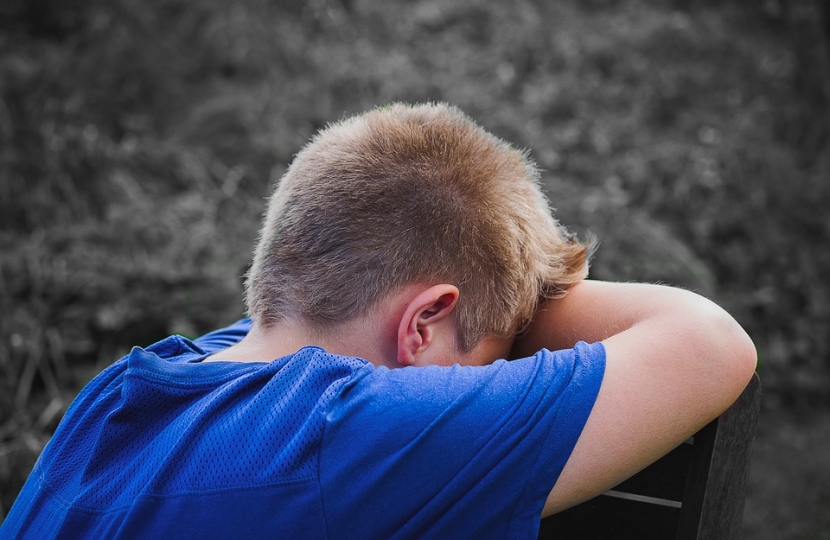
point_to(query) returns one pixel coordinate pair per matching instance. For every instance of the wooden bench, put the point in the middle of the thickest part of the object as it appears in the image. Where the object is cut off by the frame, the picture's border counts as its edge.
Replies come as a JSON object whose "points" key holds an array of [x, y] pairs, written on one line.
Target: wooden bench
{"points": [[697, 491]]}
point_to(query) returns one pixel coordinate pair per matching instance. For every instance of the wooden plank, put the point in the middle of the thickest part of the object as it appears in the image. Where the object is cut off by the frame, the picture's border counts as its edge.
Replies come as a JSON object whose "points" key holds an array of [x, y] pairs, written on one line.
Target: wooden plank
{"points": [[715, 468], [612, 518], [716, 488], [663, 479]]}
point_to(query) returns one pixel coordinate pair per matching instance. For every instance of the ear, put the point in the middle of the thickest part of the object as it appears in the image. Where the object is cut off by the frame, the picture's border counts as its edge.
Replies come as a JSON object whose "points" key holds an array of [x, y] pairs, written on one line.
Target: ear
{"points": [[419, 326]]}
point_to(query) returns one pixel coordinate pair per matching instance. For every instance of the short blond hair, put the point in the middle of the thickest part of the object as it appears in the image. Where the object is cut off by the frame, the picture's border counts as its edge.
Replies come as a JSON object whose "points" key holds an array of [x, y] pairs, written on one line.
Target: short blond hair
{"points": [[410, 194]]}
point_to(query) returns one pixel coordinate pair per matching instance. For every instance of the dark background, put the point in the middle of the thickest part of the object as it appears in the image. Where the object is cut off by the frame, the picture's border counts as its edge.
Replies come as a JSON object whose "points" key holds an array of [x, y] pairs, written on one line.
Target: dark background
{"points": [[138, 139]]}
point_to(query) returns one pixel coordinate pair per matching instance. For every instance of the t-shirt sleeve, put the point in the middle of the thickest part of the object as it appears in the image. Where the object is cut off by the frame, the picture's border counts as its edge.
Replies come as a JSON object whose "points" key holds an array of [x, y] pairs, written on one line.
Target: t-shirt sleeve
{"points": [[431, 452], [224, 337]]}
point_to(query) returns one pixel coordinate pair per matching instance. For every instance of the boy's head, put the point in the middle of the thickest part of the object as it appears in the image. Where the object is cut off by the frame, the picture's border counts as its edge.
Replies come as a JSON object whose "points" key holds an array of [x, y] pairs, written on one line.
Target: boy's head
{"points": [[410, 194]]}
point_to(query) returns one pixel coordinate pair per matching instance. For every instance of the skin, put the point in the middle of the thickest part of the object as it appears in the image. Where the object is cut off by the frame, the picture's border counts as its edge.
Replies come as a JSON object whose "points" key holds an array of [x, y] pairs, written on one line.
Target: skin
{"points": [[674, 362], [413, 327]]}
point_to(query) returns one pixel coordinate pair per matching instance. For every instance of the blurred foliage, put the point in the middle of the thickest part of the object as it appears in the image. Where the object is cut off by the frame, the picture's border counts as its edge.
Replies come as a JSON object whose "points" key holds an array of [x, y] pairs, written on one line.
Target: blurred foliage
{"points": [[138, 140], [789, 484]]}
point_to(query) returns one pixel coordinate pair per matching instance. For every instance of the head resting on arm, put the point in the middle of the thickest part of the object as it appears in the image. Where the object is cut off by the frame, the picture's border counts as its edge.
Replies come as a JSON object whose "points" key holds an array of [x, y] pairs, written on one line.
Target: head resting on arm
{"points": [[405, 195]]}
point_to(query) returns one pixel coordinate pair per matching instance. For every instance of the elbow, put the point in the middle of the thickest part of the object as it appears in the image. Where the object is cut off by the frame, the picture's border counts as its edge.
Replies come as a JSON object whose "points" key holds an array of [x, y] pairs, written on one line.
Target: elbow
{"points": [[738, 355], [721, 355], [746, 356]]}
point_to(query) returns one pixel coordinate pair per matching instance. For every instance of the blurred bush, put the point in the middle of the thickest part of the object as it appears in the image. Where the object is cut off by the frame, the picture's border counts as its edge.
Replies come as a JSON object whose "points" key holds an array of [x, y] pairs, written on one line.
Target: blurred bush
{"points": [[138, 140]]}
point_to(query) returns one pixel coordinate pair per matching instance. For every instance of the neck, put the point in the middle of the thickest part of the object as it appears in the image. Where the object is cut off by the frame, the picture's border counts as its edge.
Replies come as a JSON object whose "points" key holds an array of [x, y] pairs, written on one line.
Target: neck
{"points": [[361, 338], [373, 337]]}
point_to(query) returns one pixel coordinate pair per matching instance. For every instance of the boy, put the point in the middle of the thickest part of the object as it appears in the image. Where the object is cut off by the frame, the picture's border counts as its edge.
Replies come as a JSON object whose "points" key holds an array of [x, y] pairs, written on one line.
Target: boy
{"points": [[404, 252]]}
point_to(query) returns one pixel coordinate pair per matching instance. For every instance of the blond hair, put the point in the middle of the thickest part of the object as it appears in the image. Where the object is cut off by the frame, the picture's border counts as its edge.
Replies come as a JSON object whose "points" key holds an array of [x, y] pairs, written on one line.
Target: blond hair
{"points": [[410, 194]]}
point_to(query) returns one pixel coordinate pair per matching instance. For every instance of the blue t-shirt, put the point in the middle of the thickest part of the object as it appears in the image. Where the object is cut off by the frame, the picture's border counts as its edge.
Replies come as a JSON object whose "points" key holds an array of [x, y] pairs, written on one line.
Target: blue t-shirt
{"points": [[311, 445]]}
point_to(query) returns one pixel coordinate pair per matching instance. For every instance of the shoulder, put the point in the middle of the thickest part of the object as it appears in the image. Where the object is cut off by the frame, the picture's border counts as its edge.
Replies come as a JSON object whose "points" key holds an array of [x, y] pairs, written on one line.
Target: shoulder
{"points": [[446, 443], [546, 388], [544, 372]]}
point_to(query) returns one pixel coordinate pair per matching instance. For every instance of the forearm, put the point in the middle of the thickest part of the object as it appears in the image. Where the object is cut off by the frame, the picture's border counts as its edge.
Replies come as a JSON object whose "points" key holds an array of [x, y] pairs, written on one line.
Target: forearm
{"points": [[591, 311], [665, 340], [595, 311]]}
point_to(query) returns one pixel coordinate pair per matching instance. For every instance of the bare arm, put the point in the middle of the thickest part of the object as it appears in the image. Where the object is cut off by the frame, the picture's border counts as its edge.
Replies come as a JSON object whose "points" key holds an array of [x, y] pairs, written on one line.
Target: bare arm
{"points": [[675, 361]]}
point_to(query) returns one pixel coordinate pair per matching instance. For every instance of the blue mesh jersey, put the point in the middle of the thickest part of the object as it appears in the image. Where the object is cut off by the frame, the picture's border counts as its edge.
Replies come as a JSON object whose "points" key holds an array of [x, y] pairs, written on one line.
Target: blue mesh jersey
{"points": [[312, 445]]}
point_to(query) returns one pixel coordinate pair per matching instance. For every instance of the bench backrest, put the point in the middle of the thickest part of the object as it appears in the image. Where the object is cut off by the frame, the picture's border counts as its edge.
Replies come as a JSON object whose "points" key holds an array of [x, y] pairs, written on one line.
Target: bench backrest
{"points": [[697, 491]]}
